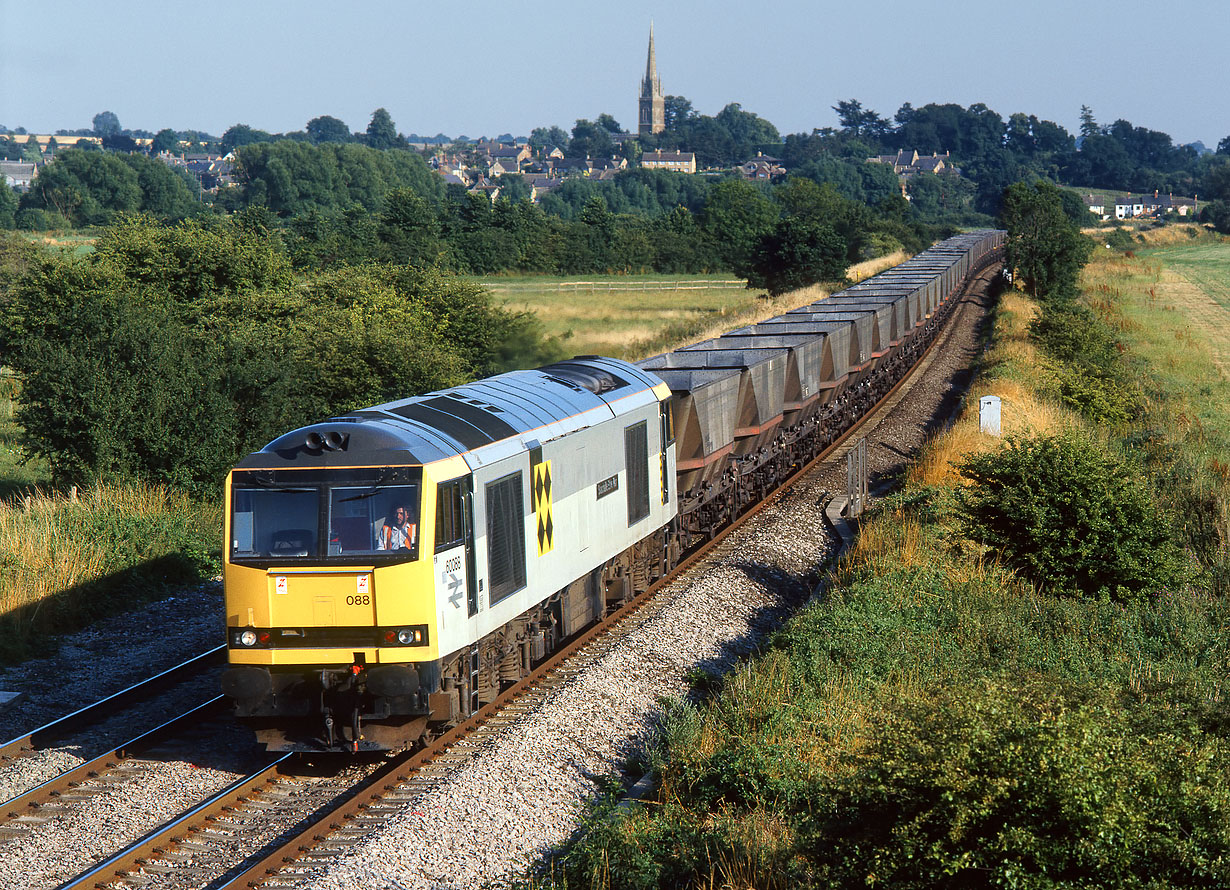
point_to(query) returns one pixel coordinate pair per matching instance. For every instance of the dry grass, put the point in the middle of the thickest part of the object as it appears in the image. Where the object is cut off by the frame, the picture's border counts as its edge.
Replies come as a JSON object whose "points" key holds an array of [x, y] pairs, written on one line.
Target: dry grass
{"points": [[1014, 365], [40, 558], [114, 541], [631, 317]]}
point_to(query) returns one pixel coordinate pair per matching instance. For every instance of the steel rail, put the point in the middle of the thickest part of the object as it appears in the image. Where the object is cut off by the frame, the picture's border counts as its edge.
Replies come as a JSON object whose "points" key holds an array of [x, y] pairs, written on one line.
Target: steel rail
{"points": [[165, 836], [39, 795], [62, 726]]}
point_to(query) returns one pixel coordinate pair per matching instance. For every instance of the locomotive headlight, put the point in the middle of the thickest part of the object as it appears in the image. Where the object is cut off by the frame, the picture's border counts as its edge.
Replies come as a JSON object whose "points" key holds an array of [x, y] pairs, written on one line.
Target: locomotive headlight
{"points": [[248, 638], [414, 635]]}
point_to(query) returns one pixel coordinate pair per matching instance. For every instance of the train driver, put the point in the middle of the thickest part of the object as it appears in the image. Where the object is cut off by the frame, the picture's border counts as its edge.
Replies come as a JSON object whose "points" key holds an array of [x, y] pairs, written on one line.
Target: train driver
{"points": [[398, 534]]}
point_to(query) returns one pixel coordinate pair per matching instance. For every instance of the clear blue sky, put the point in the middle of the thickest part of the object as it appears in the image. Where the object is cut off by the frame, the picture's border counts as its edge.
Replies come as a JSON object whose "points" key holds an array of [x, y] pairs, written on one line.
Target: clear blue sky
{"points": [[486, 68]]}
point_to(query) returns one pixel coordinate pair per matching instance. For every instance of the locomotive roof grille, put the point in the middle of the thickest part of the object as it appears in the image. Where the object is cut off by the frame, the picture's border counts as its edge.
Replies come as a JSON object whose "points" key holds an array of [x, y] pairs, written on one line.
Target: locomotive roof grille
{"points": [[470, 425], [596, 380]]}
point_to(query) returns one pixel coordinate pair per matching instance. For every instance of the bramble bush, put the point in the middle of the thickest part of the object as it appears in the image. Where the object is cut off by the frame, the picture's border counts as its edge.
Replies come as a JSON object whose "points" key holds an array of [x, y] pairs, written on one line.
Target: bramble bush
{"points": [[1031, 783], [1070, 517], [1089, 376]]}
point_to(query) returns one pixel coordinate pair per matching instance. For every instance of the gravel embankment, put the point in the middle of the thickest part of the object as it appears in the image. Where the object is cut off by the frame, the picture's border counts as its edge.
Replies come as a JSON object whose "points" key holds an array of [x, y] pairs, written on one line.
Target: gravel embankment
{"points": [[111, 656], [524, 795]]}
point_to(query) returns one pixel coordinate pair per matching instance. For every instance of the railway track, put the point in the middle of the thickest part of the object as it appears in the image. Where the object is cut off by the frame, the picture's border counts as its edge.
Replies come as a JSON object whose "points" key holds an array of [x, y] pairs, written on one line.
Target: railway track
{"points": [[308, 819], [62, 728]]}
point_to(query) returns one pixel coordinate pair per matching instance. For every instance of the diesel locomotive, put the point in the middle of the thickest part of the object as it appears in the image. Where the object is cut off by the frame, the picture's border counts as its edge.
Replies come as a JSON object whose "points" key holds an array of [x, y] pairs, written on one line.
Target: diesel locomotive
{"points": [[389, 571]]}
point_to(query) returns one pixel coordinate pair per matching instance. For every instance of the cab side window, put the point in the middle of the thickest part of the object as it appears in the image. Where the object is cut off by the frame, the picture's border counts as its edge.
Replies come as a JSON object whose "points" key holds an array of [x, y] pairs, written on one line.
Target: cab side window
{"points": [[450, 529]]}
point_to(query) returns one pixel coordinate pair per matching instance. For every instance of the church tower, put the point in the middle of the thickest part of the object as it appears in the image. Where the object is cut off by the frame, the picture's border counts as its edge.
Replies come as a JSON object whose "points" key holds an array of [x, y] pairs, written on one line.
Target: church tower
{"points": [[652, 103]]}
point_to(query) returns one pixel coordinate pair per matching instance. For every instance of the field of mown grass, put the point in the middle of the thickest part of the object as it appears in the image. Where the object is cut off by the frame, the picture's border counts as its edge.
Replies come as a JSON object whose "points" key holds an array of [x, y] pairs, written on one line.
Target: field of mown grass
{"points": [[933, 719], [634, 316]]}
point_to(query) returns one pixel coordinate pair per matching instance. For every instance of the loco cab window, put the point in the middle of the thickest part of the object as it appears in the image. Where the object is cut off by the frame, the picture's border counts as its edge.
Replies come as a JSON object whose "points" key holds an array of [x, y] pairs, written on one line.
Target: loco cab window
{"points": [[384, 520], [337, 518]]}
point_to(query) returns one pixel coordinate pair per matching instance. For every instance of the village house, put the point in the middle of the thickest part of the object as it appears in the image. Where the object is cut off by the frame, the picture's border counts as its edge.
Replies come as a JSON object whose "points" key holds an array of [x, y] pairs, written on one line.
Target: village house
{"points": [[1096, 204], [762, 167], [18, 174], [1129, 206], [211, 170], [1132, 206], [907, 163], [676, 161]]}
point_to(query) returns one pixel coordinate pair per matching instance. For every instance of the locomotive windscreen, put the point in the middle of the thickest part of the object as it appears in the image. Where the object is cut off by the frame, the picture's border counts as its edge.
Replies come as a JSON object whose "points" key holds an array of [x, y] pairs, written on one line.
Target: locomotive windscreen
{"points": [[326, 517]]}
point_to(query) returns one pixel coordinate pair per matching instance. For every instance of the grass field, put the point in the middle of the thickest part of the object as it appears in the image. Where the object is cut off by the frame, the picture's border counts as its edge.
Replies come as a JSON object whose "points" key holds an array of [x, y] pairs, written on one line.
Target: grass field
{"points": [[631, 317], [1173, 310], [79, 243]]}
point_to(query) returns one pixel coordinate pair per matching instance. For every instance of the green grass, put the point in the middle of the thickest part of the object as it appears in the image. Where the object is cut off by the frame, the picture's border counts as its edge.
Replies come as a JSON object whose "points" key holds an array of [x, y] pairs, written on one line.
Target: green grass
{"points": [[634, 316], [17, 474], [1171, 308], [1206, 265], [79, 243]]}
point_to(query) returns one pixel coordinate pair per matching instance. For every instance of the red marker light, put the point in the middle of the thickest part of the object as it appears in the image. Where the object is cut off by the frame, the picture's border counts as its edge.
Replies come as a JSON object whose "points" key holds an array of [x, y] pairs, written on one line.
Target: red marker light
{"points": [[390, 636], [264, 638], [355, 669]]}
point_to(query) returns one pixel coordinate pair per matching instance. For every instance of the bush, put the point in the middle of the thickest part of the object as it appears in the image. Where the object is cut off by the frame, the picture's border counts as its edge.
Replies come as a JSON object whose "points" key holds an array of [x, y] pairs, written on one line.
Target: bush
{"points": [[1031, 784], [1090, 377], [797, 253], [1120, 238], [170, 352], [1069, 517]]}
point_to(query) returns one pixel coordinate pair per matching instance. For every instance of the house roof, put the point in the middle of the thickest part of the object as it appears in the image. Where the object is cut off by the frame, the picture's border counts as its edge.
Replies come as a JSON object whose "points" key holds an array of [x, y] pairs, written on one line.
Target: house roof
{"points": [[679, 157]]}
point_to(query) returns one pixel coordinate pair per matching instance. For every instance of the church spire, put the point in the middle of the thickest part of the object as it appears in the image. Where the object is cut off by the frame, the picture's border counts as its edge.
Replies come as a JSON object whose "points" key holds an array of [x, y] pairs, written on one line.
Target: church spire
{"points": [[652, 105], [651, 85]]}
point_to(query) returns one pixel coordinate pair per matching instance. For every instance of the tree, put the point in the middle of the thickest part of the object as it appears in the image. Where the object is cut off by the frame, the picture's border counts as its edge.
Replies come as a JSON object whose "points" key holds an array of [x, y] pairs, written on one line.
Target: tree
{"points": [[242, 134], [119, 142], [1089, 126], [106, 123], [590, 140], [1217, 181], [381, 133], [542, 137], [170, 352], [166, 140], [408, 228], [8, 207], [797, 253], [327, 129], [86, 188], [295, 178], [736, 215], [860, 121], [1045, 249], [678, 110], [609, 123], [166, 194]]}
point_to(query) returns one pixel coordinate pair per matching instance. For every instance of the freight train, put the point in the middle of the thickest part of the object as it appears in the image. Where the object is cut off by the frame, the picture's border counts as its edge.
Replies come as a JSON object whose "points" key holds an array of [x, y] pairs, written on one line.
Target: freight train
{"points": [[389, 571]]}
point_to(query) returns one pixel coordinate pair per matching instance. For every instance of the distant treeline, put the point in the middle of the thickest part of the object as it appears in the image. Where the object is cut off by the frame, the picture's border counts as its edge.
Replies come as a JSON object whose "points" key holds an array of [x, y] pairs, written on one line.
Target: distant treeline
{"points": [[344, 204]]}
